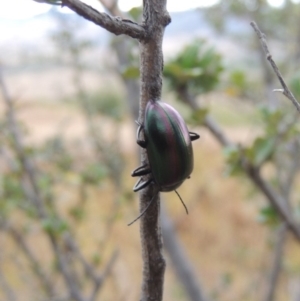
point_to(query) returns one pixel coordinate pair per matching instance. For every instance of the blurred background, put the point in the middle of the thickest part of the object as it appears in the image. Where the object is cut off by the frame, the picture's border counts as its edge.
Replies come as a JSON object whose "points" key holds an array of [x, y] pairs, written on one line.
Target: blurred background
{"points": [[69, 96]]}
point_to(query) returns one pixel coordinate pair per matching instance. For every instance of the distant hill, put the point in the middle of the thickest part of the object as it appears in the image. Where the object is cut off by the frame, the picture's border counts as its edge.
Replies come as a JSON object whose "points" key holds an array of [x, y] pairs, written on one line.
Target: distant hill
{"points": [[20, 40], [34, 31]]}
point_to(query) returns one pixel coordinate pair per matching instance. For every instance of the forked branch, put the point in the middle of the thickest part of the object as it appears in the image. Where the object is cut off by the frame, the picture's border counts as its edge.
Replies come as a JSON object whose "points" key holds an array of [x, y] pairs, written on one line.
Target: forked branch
{"points": [[274, 198], [115, 25]]}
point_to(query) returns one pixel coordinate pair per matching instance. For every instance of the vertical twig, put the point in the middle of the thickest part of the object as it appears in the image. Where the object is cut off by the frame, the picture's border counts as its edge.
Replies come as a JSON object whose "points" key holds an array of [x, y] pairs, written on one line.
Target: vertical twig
{"points": [[180, 261], [150, 36], [276, 263], [155, 18]]}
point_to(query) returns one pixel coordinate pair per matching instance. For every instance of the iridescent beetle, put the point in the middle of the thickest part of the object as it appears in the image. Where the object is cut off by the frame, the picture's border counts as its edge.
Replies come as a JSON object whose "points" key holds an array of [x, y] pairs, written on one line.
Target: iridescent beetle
{"points": [[168, 143]]}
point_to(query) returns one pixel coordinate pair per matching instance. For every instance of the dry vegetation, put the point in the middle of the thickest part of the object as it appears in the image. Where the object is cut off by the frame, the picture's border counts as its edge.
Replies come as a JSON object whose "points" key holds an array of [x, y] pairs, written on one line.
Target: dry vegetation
{"points": [[222, 236]]}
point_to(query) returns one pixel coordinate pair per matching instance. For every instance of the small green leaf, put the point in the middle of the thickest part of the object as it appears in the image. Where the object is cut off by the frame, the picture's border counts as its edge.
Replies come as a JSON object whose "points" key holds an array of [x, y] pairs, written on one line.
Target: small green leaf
{"points": [[96, 259], [198, 116], [233, 160], [54, 225], [265, 150], [196, 68], [192, 73], [261, 150], [135, 13], [77, 213], [268, 215], [93, 174], [131, 72]]}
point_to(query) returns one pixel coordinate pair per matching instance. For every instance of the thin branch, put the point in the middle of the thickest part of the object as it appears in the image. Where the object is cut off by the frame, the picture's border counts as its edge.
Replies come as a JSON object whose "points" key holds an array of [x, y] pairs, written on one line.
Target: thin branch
{"points": [[71, 245], [19, 148], [100, 280], [286, 92], [156, 18], [35, 264], [217, 131], [276, 263], [34, 191], [123, 49], [209, 122], [115, 25], [275, 199], [182, 265]]}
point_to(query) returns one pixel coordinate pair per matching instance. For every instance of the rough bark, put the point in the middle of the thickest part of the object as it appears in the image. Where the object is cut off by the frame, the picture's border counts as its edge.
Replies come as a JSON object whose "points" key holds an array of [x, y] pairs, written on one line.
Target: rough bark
{"points": [[115, 25], [150, 35], [172, 245], [155, 18]]}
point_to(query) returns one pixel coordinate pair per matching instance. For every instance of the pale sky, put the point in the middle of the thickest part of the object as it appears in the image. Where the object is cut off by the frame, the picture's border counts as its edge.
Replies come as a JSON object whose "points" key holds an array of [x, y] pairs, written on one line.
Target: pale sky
{"points": [[23, 9]]}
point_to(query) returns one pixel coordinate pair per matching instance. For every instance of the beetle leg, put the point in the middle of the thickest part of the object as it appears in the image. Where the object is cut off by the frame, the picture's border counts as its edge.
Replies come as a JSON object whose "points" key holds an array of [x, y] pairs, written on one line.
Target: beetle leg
{"points": [[141, 171], [141, 143], [141, 184], [194, 136]]}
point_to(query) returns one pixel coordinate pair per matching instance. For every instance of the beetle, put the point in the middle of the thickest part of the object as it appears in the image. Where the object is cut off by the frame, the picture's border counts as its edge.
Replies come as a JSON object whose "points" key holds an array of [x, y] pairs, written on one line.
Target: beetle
{"points": [[168, 144]]}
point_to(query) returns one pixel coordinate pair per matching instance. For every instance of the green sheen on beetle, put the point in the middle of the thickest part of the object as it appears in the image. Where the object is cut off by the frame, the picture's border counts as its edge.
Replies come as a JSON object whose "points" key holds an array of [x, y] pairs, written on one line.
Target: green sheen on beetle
{"points": [[168, 143], [169, 147]]}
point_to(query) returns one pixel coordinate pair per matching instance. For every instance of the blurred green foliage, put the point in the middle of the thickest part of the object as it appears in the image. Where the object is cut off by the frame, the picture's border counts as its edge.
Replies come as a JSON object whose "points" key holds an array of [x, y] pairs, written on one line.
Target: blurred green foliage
{"points": [[269, 216], [197, 116], [261, 150], [93, 174], [233, 159], [11, 193], [196, 68], [55, 150], [278, 129], [136, 13], [107, 103], [54, 225], [238, 83], [131, 72]]}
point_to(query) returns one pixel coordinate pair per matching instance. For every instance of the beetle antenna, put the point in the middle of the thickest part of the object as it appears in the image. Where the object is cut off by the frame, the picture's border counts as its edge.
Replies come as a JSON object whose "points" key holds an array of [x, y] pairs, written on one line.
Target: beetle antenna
{"points": [[144, 211], [187, 212]]}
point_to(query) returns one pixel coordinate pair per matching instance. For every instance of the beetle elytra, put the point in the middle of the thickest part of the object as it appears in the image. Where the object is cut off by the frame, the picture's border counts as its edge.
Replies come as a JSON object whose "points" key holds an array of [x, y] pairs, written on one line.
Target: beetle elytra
{"points": [[168, 144]]}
